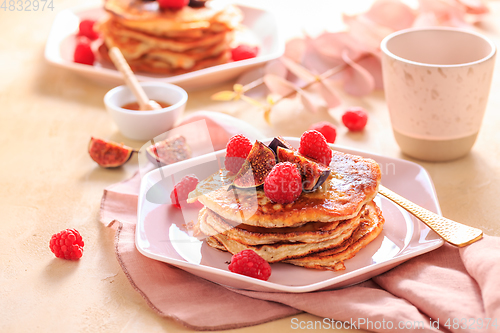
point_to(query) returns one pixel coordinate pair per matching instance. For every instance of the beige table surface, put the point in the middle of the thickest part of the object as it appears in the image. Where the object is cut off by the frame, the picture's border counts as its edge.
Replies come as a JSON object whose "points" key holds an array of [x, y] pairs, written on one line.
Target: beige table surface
{"points": [[48, 182]]}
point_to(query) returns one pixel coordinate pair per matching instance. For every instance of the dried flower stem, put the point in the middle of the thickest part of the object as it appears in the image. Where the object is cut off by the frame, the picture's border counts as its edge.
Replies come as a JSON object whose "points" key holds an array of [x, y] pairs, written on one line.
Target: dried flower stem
{"points": [[321, 77]]}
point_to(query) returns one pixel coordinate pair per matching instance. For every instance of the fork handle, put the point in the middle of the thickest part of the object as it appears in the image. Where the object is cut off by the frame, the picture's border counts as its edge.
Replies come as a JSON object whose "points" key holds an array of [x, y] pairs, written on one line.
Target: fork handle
{"points": [[453, 232]]}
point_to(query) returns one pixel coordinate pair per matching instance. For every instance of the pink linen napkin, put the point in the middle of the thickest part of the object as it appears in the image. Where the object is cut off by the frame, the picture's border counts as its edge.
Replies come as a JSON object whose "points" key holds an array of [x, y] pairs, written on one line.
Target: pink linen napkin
{"points": [[448, 289]]}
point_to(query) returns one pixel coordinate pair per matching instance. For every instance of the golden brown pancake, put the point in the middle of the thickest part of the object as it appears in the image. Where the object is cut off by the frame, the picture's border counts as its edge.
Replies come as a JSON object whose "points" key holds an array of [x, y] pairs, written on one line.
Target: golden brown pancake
{"points": [[333, 259], [278, 251], [158, 66], [188, 22], [353, 183], [134, 44], [169, 41]]}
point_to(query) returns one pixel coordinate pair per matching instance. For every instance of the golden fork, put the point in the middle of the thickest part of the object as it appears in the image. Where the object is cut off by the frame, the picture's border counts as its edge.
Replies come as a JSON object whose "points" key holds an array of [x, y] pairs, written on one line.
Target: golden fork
{"points": [[453, 232]]}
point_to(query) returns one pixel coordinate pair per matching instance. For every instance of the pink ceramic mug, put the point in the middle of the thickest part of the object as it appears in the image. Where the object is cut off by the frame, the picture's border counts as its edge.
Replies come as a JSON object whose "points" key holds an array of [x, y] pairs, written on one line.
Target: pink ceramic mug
{"points": [[437, 82]]}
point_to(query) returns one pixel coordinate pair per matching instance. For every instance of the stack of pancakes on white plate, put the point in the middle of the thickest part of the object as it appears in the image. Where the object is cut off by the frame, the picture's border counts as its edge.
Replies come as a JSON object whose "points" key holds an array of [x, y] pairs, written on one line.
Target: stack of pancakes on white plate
{"points": [[169, 41], [319, 230]]}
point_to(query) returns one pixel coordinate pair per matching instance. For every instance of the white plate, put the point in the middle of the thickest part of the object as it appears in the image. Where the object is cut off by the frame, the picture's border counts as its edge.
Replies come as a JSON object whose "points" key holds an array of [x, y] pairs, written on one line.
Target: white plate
{"points": [[161, 233], [61, 44]]}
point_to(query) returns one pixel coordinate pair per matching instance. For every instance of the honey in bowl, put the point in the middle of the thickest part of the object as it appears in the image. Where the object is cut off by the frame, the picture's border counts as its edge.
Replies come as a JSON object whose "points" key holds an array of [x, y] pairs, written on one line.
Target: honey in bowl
{"points": [[135, 106]]}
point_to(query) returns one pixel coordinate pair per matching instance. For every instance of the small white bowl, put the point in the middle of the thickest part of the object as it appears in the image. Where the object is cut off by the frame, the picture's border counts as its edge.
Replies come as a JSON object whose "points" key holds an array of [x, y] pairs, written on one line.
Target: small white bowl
{"points": [[145, 125]]}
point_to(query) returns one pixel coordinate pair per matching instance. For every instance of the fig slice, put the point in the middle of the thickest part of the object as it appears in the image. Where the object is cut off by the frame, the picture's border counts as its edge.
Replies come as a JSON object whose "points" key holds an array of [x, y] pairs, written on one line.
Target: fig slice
{"points": [[280, 142], [313, 173], [256, 167], [168, 151], [109, 154]]}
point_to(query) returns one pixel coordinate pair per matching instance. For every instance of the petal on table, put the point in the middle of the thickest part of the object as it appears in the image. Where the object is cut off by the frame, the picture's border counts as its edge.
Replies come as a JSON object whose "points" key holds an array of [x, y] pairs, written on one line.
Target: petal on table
{"points": [[328, 92], [276, 67], [373, 65], [300, 71], [295, 48], [332, 44], [365, 31], [445, 11], [279, 85], [476, 7], [318, 62], [393, 14], [308, 101], [358, 81]]}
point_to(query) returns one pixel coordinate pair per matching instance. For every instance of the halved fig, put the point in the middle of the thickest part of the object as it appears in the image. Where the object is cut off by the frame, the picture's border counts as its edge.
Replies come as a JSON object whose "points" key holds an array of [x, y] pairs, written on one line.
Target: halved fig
{"points": [[109, 154], [313, 173], [256, 167], [168, 151], [280, 142]]}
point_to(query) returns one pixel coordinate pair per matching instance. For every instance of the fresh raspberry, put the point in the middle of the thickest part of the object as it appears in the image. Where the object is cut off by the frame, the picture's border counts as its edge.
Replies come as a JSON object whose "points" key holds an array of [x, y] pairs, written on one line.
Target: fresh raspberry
{"points": [[244, 51], [237, 150], [86, 28], [67, 244], [83, 52], [313, 144], [249, 263], [327, 129], [172, 4], [284, 183], [181, 190], [355, 118]]}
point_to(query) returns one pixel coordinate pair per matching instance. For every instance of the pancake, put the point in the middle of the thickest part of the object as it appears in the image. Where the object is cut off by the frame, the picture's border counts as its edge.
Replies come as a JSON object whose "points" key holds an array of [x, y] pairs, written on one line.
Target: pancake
{"points": [[158, 66], [188, 22], [312, 232], [333, 259], [170, 41], [352, 183], [278, 251], [134, 44]]}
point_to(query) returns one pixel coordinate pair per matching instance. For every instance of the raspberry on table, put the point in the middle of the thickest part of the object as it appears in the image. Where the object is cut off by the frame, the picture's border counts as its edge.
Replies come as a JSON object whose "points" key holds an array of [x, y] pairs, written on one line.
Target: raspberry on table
{"points": [[173, 4], [67, 244], [327, 129], [313, 145], [86, 28], [83, 52], [284, 183], [237, 150], [355, 118], [249, 263], [244, 51], [181, 190]]}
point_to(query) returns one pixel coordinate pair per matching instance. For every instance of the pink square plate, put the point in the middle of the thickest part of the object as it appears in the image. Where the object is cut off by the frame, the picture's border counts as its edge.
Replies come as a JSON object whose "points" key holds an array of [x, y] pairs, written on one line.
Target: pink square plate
{"points": [[162, 234]]}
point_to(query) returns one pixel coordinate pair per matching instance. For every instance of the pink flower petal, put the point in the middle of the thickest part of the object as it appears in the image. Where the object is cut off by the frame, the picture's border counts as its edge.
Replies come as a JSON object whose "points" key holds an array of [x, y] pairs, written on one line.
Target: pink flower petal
{"points": [[250, 76], [392, 14], [294, 49], [276, 67], [428, 19], [308, 102], [374, 66], [444, 10], [476, 7], [333, 44], [358, 81], [300, 71], [316, 61], [279, 85], [328, 93], [365, 31]]}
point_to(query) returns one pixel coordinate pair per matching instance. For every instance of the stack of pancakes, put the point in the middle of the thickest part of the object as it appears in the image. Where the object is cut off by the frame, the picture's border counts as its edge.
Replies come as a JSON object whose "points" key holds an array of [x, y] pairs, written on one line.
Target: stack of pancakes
{"points": [[319, 230], [168, 41]]}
